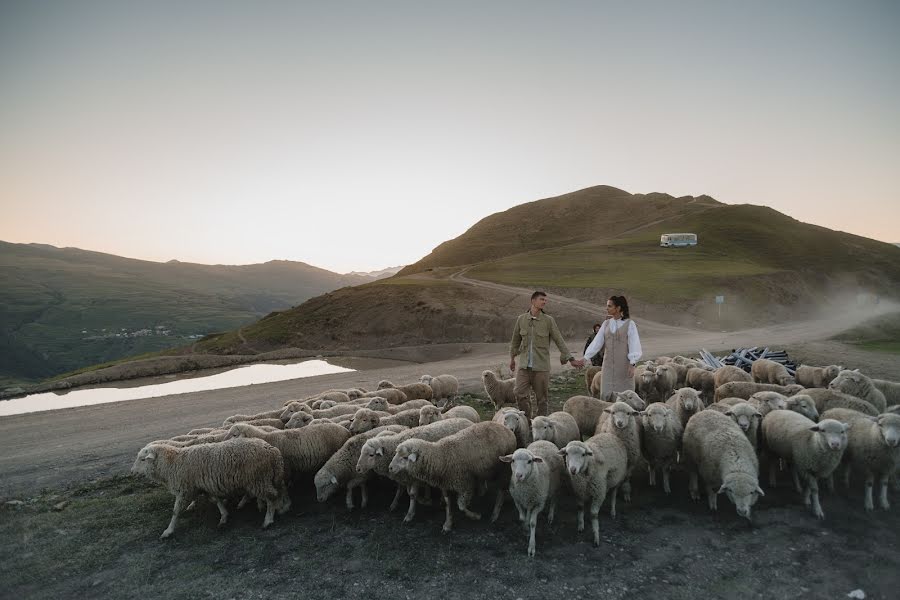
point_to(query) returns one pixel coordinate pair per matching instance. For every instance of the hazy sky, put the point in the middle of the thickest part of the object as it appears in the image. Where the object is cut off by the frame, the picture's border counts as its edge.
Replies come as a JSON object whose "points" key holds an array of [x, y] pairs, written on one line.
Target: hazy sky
{"points": [[358, 135]]}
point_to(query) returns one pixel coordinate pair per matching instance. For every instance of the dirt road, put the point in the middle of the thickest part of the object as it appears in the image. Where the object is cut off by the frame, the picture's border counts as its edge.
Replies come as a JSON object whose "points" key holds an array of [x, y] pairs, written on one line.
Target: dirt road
{"points": [[60, 447]]}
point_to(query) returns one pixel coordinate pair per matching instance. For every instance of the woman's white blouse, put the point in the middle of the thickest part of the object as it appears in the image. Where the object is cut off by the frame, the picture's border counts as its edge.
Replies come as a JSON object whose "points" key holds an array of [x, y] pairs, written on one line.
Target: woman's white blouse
{"points": [[634, 342]]}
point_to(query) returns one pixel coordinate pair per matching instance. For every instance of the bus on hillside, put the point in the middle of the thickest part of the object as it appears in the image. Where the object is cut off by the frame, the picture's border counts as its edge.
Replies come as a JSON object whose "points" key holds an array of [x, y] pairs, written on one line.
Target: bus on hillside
{"points": [[670, 240]]}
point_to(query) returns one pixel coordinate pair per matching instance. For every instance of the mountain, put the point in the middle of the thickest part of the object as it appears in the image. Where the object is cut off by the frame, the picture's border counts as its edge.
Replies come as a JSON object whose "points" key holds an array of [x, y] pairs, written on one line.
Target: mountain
{"points": [[591, 244], [65, 308], [377, 274]]}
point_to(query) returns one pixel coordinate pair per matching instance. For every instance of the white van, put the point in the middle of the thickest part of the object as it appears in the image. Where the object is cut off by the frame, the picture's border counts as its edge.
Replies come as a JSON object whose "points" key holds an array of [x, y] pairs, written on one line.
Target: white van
{"points": [[670, 240]]}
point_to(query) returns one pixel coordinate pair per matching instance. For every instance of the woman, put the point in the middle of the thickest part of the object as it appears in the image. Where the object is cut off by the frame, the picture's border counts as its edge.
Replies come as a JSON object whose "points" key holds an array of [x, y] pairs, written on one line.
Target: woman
{"points": [[619, 335]]}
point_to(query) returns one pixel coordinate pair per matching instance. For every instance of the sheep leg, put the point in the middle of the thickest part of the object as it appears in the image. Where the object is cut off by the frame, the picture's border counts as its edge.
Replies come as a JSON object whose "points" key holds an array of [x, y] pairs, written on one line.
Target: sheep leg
{"points": [[523, 514], [396, 501], [532, 527], [885, 505], [712, 498], [595, 519], [773, 473], [223, 512], [364, 489], [179, 500], [612, 501], [448, 522], [796, 476], [579, 518], [462, 502], [870, 483], [348, 497], [652, 472], [829, 483], [411, 511], [626, 490], [694, 486], [270, 513], [812, 489], [665, 477], [551, 512], [498, 504], [847, 476], [284, 502], [244, 499]]}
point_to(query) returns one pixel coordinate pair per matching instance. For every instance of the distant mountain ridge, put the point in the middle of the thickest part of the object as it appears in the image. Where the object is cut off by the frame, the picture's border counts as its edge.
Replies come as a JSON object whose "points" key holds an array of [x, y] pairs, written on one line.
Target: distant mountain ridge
{"points": [[389, 271], [66, 308]]}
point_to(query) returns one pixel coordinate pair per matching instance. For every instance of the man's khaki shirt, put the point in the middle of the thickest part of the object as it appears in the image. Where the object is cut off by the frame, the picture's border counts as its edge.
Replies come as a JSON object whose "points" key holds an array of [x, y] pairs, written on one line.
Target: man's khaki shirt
{"points": [[534, 334]]}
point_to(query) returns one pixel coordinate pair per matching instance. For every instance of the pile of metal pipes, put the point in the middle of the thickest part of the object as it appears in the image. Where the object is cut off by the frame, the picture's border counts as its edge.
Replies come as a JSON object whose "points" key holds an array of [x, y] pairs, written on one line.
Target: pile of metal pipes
{"points": [[745, 357]]}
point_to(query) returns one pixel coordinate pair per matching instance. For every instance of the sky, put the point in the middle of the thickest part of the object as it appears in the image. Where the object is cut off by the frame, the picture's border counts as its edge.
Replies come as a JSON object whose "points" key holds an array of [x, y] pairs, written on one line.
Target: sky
{"points": [[360, 135]]}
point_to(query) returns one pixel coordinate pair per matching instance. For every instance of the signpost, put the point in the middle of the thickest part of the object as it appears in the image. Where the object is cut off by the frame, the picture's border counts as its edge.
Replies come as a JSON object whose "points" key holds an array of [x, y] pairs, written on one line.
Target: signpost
{"points": [[720, 300]]}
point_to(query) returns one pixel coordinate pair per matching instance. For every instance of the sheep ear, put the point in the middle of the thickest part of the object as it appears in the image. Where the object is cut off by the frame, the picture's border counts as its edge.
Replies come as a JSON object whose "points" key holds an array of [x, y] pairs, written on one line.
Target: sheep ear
{"points": [[507, 458], [588, 452], [846, 426], [150, 456], [607, 410], [729, 413], [856, 370], [759, 491], [758, 415], [561, 452], [724, 488], [538, 459], [815, 428], [334, 480], [411, 457], [379, 451]]}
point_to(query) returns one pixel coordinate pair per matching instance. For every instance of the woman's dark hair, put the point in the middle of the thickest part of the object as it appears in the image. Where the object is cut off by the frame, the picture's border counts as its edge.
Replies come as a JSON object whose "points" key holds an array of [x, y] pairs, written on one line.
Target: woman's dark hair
{"points": [[622, 303]]}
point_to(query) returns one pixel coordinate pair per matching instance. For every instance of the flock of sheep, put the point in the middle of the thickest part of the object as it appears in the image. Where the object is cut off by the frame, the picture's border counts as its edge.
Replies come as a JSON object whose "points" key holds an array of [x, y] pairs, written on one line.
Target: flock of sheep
{"points": [[719, 425]]}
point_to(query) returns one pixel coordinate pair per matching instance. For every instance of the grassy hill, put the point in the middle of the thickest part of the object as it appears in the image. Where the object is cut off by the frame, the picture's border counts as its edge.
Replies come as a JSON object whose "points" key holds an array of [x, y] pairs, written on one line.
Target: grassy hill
{"points": [[65, 308]]}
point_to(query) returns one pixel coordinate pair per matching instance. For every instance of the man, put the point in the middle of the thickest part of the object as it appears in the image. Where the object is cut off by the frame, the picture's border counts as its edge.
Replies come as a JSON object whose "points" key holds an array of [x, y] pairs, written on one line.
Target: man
{"points": [[597, 359], [530, 345]]}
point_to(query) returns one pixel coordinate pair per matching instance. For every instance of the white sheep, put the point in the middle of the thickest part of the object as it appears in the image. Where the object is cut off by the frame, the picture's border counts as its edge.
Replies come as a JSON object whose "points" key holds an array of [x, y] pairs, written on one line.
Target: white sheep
{"points": [[645, 382], [729, 373], [704, 381], [817, 377], [516, 421], [745, 389], [534, 483], [430, 414], [340, 469], [766, 402], [417, 391], [442, 386], [769, 371], [813, 450], [715, 449], [218, 470], [300, 419], [392, 395], [745, 415], [366, 419], [459, 463], [803, 404], [596, 469], [661, 441], [826, 399], [377, 452], [587, 410], [856, 384], [873, 449], [666, 380], [890, 389], [620, 419], [686, 403], [559, 428], [304, 450], [500, 391]]}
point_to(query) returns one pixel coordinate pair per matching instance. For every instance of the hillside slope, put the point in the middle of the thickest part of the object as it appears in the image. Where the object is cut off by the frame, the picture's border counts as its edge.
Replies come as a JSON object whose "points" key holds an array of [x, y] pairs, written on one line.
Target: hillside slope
{"points": [[64, 308]]}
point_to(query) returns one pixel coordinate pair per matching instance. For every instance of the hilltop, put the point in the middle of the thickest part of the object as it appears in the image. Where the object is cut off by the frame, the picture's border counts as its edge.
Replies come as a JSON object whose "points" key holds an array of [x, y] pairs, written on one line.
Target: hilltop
{"points": [[66, 308]]}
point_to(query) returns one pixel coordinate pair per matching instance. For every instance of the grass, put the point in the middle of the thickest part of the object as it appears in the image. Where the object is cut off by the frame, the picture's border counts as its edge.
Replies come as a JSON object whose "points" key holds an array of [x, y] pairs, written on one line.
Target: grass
{"points": [[881, 334]]}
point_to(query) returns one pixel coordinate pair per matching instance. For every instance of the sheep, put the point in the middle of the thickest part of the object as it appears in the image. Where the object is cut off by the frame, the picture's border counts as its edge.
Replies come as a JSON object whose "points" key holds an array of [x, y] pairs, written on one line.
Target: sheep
{"points": [[856, 384], [645, 382], [236, 466], [703, 381], [335, 411], [339, 396], [430, 414], [630, 398], [746, 415], [730, 373], [873, 449], [384, 383], [203, 430], [596, 468], [804, 405], [516, 421], [687, 362], [769, 371], [587, 411], [890, 389], [620, 420], [269, 414], [560, 428], [459, 463], [894, 409], [377, 452], [500, 391], [417, 391], [680, 374], [661, 441], [298, 420], [816, 377], [304, 450], [813, 450], [392, 395], [715, 449], [589, 374], [766, 402], [366, 419], [666, 380], [323, 404], [686, 403], [442, 386], [826, 399], [745, 389], [340, 468], [383, 405], [534, 483]]}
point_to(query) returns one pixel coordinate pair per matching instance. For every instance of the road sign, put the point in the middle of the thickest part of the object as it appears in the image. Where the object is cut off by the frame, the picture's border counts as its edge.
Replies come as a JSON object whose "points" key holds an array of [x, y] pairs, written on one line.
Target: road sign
{"points": [[720, 299]]}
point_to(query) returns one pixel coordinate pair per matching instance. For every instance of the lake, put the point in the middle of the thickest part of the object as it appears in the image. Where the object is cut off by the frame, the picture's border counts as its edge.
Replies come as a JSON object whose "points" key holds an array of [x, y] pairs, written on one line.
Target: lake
{"points": [[178, 384]]}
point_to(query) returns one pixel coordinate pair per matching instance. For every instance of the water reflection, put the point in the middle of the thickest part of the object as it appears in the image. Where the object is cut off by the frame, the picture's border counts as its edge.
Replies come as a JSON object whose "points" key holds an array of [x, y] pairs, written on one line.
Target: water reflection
{"points": [[245, 375]]}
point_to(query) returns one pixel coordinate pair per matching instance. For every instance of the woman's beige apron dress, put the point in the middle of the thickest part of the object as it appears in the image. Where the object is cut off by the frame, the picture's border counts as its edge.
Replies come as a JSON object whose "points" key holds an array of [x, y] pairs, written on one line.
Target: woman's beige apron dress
{"points": [[614, 373]]}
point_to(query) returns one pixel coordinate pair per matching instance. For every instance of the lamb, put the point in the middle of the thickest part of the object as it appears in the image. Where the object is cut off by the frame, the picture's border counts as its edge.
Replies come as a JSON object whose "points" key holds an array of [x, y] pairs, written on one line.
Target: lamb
{"points": [[430, 414], [817, 377], [661, 441], [645, 382], [856, 384], [365, 420], [392, 395], [516, 421], [666, 380], [769, 371], [442, 386], [746, 415], [890, 389], [596, 468], [218, 470], [873, 449], [685, 403], [827, 399], [716, 450], [500, 391], [703, 381], [745, 389], [730, 373], [459, 463], [377, 452], [535, 483], [304, 450], [620, 420], [813, 450], [559, 428], [340, 469]]}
